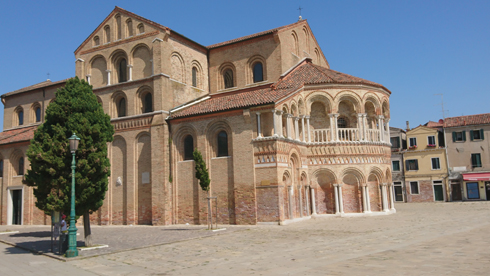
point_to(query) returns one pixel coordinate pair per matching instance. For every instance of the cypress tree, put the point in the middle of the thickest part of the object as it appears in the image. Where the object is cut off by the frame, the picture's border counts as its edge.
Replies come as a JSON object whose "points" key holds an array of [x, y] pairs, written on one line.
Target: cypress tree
{"points": [[74, 110], [201, 171]]}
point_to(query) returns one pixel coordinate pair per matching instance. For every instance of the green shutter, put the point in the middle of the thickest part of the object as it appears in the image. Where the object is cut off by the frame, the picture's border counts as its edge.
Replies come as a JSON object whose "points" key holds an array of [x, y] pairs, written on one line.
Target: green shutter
{"points": [[481, 133], [471, 135], [406, 165], [416, 164], [454, 136], [478, 158], [464, 135]]}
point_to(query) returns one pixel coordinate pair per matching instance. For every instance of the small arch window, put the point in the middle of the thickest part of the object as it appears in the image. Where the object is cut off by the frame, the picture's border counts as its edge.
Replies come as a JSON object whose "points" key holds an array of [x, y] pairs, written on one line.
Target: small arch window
{"points": [[222, 144], [107, 30], [129, 27], [141, 28], [122, 70], [188, 147], [119, 27], [258, 72], [38, 114], [121, 108], [21, 166], [228, 78], [148, 103], [1, 167], [20, 115], [194, 76], [96, 41]]}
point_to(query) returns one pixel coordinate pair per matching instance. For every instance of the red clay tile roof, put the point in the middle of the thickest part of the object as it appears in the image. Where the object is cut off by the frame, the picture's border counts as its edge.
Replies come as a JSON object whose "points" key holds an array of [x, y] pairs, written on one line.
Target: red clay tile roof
{"points": [[304, 73], [17, 135], [477, 119], [35, 86], [433, 124]]}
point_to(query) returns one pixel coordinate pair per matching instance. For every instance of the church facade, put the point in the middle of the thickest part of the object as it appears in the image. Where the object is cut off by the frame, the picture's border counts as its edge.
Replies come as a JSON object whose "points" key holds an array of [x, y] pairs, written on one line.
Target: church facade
{"points": [[284, 137]]}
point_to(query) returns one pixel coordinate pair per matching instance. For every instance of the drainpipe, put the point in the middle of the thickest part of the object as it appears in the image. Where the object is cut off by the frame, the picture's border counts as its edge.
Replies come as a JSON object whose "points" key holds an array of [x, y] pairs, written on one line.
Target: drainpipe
{"points": [[448, 187]]}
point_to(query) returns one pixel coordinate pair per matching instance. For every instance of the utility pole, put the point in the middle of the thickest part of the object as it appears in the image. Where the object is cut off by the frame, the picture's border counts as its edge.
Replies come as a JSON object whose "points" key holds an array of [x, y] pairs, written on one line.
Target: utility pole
{"points": [[449, 192]]}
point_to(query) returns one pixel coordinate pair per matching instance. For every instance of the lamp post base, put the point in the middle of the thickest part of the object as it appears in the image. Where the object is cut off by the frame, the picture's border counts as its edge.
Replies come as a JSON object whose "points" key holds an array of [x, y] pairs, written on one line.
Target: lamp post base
{"points": [[72, 241], [71, 253]]}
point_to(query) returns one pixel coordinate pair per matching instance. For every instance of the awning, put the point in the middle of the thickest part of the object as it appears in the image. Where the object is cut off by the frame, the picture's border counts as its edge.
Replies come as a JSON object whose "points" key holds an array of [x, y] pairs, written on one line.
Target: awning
{"points": [[476, 176]]}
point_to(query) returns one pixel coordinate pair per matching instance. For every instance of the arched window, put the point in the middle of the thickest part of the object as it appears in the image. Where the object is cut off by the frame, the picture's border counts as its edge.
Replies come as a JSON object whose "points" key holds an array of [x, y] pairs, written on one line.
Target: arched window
{"points": [[258, 72], [1, 167], [222, 144], [107, 30], [194, 76], [121, 108], [96, 41], [20, 114], [119, 27], [122, 70], [38, 114], [148, 103], [228, 78], [188, 147], [21, 166], [141, 28], [342, 122], [129, 27]]}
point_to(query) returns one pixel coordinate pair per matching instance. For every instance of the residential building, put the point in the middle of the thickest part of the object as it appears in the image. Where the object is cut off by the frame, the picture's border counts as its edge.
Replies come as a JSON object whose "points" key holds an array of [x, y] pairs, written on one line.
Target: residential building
{"points": [[468, 149], [425, 165], [398, 139], [284, 136]]}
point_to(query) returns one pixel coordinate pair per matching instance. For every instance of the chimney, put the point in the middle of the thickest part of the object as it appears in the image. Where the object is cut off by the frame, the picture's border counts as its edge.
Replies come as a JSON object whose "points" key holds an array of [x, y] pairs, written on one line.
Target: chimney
{"points": [[408, 126]]}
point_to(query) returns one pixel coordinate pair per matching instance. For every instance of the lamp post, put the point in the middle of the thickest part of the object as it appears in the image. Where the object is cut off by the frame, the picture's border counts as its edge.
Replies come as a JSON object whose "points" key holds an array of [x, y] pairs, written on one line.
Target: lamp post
{"points": [[72, 231]]}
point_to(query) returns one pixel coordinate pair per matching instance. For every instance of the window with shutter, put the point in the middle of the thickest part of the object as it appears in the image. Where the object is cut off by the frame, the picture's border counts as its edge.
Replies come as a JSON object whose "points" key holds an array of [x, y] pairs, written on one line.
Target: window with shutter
{"points": [[475, 160]]}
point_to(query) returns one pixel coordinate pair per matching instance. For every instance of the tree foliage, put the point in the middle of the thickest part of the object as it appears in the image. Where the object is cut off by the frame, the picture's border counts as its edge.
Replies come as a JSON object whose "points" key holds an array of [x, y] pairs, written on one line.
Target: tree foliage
{"points": [[201, 171], [74, 110]]}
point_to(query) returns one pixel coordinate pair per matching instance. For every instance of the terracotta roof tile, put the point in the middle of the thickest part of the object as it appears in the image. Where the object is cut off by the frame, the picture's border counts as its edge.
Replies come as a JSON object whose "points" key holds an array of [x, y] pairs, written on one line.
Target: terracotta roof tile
{"points": [[17, 135], [304, 73], [433, 124], [477, 119], [35, 86]]}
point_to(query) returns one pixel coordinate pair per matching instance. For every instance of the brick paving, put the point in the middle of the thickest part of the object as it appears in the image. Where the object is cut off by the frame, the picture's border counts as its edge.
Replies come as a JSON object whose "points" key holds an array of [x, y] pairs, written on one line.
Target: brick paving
{"points": [[420, 239]]}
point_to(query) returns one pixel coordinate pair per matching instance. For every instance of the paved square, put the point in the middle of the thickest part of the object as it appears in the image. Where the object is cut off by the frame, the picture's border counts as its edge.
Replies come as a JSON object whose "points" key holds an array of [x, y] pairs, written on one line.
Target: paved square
{"points": [[421, 239]]}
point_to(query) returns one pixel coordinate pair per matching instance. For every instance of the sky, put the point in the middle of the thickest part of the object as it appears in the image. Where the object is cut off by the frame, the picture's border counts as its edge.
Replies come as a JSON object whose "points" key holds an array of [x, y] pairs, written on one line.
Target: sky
{"points": [[416, 49]]}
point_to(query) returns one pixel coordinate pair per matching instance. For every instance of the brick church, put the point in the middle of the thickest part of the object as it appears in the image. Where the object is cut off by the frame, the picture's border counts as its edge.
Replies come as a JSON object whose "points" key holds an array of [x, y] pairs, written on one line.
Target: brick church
{"points": [[284, 137]]}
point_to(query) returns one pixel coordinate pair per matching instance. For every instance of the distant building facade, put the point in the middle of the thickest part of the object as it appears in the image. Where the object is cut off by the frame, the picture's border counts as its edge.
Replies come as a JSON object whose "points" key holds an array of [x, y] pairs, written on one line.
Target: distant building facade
{"points": [[398, 139], [283, 135]]}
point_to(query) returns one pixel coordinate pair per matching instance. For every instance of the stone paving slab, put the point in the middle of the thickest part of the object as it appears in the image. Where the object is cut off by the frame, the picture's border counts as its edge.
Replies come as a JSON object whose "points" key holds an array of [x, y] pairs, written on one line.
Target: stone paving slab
{"points": [[118, 238]]}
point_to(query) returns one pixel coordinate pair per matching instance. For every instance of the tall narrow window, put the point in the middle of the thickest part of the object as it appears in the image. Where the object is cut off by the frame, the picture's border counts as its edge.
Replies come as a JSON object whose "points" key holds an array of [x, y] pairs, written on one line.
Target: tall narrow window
{"points": [[188, 147], [1, 167], [121, 108], [222, 144], [258, 72], [148, 103], [228, 78], [20, 114], [129, 27], [21, 166], [475, 160], [96, 41], [38, 114], [194, 76], [141, 28], [107, 30], [122, 70], [119, 27]]}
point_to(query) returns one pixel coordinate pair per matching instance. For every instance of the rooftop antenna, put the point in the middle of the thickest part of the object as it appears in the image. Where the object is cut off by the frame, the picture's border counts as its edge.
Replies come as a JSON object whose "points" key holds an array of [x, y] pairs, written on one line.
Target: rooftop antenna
{"points": [[442, 105], [300, 18], [48, 76]]}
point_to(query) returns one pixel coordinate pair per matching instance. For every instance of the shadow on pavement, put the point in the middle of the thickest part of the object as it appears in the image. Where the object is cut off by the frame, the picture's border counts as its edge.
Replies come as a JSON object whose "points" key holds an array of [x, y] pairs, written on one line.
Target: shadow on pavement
{"points": [[38, 234]]}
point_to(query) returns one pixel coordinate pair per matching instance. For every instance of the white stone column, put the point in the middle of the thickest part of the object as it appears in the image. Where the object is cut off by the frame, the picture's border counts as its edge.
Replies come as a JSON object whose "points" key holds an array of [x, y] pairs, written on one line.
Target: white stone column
{"points": [[307, 201], [108, 77], [130, 72], [335, 125], [332, 128], [368, 199], [88, 79], [313, 204], [290, 197], [360, 127], [364, 198], [303, 127], [381, 128], [296, 128], [341, 200], [288, 125], [383, 196], [280, 124], [259, 129], [152, 67], [392, 195], [274, 122], [300, 194], [335, 189], [388, 131], [308, 128], [364, 126]]}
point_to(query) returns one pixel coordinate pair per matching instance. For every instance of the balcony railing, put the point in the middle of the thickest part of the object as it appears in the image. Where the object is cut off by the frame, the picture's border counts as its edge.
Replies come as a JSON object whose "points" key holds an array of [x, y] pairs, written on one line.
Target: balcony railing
{"points": [[346, 135], [321, 136]]}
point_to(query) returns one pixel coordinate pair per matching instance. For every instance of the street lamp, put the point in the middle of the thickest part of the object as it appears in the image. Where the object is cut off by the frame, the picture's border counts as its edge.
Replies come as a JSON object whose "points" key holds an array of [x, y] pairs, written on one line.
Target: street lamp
{"points": [[72, 231]]}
